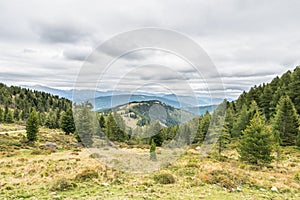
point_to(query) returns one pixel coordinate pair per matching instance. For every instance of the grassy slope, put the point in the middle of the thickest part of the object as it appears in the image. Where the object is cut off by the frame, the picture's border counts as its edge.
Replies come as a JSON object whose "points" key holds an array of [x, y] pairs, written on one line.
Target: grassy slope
{"points": [[31, 172]]}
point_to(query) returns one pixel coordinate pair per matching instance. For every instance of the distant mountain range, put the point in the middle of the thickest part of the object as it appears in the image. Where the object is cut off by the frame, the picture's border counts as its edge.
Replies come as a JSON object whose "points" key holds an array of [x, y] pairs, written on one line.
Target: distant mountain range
{"points": [[110, 99]]}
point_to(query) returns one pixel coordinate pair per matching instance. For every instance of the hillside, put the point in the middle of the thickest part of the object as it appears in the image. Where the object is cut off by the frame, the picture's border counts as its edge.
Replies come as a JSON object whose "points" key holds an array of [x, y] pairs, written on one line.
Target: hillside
{"points": [[267, 95], [251, 159], [16, 103], [146, 112]]}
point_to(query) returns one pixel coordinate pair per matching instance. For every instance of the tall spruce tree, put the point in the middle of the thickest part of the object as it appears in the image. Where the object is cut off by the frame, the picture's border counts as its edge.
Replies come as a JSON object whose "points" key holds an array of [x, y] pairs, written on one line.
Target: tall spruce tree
{"points": [[1, 115], [85, 127], [225, 137], [153, 151], [294, 88], [32, 126], [67, 122], [286, 121], [204, 123], [113, 131], [256, 144], [241, 123], [265, 101]]}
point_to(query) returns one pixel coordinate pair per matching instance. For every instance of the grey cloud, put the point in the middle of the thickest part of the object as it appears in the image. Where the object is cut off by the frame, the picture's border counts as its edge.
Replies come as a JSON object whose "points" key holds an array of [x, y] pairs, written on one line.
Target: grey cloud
{"points": [[59, 33], [249, 42], [79, 54]]}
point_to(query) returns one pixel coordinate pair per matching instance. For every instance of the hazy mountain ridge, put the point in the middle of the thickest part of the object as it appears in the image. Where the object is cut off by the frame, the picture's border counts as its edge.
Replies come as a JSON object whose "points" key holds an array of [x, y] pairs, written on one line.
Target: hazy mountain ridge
{"points": [[111, 99]]}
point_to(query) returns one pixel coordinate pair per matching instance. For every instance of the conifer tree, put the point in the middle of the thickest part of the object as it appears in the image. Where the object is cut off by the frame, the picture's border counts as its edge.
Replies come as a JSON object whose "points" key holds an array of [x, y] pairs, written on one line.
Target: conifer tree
{"points": [[16, 115], [67, 122], [153, 151], [224, 138], [1, 115], [265, 101], [102, 122], [85, 128], [9, 117], [298, 140], [32, 126], [241, 123], [286, 121], [256, 144], [294, 88], [113, 131], [155, 130], [204, 123]]}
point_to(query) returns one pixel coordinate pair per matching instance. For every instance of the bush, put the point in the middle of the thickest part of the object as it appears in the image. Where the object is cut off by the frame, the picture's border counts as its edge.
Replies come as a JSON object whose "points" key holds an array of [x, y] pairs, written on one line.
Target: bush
{"points": [[62, 185], [87, 175], [95, 155], [297, 177], [164, 178], [224, 179]]}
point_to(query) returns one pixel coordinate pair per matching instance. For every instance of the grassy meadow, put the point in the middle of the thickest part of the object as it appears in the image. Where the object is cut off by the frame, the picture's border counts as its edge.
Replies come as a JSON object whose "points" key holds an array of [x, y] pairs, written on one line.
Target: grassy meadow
{"points": [[69, 171]]}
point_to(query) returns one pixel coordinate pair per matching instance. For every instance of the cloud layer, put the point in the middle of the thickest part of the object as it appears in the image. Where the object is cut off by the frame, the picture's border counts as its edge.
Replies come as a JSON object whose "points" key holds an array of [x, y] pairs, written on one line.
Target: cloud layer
{"points": [[250, 42]]}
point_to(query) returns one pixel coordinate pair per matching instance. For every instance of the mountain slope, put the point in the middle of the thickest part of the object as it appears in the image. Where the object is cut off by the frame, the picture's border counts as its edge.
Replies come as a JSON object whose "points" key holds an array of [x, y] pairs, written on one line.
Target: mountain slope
{"points": [[146, 112]]}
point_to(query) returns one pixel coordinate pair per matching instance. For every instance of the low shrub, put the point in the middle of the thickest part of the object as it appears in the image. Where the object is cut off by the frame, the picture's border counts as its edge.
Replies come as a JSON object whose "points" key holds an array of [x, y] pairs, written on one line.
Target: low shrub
{"points": [[164, 178], [224, 179], [87, 175], [63, 185], [297, 177], [95, 155]]}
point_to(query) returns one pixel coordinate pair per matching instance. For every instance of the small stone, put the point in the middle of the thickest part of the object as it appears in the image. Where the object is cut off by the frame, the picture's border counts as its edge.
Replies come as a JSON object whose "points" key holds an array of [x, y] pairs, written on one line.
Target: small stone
{"points": [[274, 189], [197, 148], [105, 184], [238, 189], [51, 145]]}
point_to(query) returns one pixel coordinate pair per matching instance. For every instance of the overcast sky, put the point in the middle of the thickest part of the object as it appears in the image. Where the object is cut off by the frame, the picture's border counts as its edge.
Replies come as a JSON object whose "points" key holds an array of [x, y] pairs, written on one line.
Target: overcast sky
{"points": [[249, 42]]}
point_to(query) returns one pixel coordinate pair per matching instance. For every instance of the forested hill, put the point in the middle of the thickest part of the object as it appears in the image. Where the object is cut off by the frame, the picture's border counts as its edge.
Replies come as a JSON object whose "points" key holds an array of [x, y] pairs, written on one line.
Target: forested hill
{"points": [[16, 103], [278, 104], [268, 95]]}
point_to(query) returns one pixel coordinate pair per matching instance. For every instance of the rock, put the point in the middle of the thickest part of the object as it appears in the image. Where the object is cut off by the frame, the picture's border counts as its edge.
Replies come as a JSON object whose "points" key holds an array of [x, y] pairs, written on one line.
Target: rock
{"points": [[274, 189], [262, 189], [51, 145], [105, 184], [197, 148], [238, 189]]}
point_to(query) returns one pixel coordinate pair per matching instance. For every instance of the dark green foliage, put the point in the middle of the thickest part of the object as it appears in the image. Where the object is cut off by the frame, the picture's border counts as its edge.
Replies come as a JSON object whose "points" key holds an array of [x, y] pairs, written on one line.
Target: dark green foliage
{"points": [[294, 88], [8, 115], [85, 126], [153, 151], [164, 178], [102, 122], [298, 140], [156, 132], [67, 122], [1, 115], [265, 101], [224, 138], [142, 110], [185, 134], [204, 123], [267, 95], [62, 185], [113, 131], [16, 115], [32, 126], [286, 121], [241, 122], [20, 101], [256, 144], [86, 174]]}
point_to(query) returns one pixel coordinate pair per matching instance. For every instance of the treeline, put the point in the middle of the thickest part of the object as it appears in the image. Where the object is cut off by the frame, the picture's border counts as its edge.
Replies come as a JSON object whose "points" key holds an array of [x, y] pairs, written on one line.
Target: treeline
{"points": [[258, 123], [17, 103]]}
